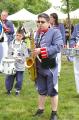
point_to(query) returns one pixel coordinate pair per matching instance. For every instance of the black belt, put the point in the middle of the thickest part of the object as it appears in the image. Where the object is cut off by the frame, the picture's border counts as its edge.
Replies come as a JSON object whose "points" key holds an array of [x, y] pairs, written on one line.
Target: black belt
{"points": [[49, 63]]}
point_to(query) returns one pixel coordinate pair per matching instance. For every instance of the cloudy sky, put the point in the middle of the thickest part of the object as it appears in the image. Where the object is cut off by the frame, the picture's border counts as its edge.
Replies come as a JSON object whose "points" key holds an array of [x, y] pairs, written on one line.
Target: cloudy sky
{"points": [[55, 2]]}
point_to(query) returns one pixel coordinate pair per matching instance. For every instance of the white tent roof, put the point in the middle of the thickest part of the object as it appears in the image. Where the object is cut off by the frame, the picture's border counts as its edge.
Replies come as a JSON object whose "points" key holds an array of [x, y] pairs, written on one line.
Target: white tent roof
{"points": [[22, 15], [59, 13], [74, 14]]}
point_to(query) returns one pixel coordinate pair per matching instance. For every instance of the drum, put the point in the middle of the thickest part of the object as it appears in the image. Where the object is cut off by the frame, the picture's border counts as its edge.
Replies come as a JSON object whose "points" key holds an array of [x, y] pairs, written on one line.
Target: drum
{"points": [[77, 52], [69, 51], [8, 66]]}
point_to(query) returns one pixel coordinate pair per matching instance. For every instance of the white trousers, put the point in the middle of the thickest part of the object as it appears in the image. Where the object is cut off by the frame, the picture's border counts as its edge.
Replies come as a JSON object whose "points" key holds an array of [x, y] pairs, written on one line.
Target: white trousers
{"points": [[59, 63], [3, 50], [76, 72]]}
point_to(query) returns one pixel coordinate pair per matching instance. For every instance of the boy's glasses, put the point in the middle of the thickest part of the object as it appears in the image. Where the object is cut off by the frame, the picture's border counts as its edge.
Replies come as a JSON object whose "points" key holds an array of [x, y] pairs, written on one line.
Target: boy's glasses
{"points": [[41, 22]]}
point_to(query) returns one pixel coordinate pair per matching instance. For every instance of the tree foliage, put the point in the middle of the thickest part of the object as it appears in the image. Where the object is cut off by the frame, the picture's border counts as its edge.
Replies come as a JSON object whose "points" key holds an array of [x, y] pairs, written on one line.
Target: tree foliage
{"points": [[37, 6], [34, 6], [73, 5], [10, 5]]}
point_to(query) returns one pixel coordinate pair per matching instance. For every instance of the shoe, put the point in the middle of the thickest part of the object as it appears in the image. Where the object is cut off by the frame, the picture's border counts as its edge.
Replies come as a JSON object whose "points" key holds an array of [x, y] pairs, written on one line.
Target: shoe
{"points": [[8, 92], [39, 112], [53, 116], [70, 59], [17, 92]]}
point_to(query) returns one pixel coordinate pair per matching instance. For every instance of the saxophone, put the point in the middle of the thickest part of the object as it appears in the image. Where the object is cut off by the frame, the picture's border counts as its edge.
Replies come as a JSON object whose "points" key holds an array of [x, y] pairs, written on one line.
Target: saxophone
{"points": [[30, 61]]}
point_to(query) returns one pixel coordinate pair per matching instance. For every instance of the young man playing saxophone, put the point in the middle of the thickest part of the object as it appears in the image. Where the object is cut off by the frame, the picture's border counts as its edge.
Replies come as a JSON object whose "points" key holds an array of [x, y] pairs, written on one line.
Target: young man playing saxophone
{"points": [[48, 43]]}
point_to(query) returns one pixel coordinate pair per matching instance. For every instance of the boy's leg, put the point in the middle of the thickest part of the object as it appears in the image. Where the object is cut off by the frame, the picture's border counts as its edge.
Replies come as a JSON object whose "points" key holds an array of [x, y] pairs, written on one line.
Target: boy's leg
{"points": [[19, 79], [9, 82]]}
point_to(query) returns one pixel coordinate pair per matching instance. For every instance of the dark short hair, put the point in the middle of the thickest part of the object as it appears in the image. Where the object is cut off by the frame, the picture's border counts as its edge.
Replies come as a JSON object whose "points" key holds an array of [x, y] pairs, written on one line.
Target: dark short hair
{"points": [[44, 15], [55, 16], [20, 32]]}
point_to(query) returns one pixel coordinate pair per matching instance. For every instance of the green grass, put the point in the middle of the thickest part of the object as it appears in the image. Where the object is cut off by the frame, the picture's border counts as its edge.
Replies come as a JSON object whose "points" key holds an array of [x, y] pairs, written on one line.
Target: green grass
{"points": [[24, 106], [68, 98]]}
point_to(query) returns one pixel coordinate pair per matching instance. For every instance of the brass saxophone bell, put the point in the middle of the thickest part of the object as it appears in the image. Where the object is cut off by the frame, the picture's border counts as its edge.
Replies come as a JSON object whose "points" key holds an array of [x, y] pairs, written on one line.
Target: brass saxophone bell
{"points": [[29, 62]]}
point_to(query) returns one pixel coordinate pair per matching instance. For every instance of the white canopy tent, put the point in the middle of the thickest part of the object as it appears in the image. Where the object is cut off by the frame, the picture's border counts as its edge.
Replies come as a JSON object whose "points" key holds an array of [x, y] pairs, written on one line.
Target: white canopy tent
{"points": [[22, 15], [74, 14], [59, 13]]}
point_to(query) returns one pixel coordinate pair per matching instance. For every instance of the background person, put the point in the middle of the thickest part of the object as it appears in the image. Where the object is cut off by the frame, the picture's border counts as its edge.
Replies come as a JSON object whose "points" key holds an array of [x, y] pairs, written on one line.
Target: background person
{"points": [[55, 24], [67, 34], [3, 45], [7, 25], [74, 42]]}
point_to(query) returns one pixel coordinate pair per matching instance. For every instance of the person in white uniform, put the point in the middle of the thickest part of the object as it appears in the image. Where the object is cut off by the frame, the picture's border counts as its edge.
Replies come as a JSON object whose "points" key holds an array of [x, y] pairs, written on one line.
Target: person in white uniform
{"points": [[74, 42], [3, 45]]}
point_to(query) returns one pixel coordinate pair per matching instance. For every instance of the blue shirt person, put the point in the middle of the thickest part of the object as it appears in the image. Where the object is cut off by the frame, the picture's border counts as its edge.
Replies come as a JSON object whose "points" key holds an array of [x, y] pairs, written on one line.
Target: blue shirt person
{"points": [[7, 25], [56, 25]]}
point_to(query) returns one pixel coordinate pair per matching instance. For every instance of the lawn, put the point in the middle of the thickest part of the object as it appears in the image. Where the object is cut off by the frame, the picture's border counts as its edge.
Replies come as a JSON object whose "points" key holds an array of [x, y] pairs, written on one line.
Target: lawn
{"points": [[23, 107]]}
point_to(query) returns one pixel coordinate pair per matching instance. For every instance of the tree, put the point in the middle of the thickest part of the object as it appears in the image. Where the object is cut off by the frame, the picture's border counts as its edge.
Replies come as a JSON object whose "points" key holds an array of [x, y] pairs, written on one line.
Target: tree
{"points": [[73, 5], [34, 6], [11, 5]]}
